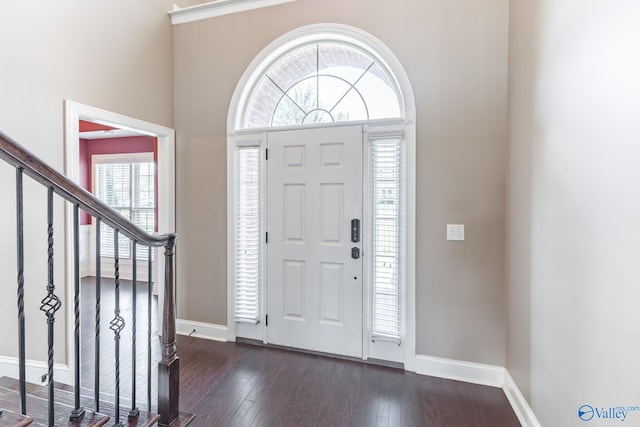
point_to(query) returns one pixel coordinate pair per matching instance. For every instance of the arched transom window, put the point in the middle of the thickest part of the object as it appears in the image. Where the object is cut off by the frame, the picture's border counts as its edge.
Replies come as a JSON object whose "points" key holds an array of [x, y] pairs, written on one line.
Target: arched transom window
{"points": [[323, 83]]}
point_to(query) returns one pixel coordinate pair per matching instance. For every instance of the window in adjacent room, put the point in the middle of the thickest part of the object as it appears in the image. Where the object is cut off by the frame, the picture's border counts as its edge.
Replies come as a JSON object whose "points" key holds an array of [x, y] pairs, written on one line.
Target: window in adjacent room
{"points": [[126, 182]]}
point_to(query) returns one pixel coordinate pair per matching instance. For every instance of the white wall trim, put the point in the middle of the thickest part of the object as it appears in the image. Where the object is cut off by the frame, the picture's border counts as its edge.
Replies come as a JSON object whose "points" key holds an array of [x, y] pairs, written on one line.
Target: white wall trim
{"points": [[35, 370], [207, 331], [470, 372], [218, 8], [519, 404], [85, 263], [479, 373]]}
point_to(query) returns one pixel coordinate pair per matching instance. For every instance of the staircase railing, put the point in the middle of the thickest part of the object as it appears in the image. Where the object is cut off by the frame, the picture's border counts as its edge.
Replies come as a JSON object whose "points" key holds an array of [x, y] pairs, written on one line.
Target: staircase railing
{"points": [[26, 163]]}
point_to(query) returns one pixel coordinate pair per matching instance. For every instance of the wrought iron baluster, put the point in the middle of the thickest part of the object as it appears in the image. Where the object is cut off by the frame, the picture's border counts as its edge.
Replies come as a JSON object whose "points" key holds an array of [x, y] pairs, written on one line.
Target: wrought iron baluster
{"points": [[50, 305], [149, 291], [78, 411], [97, 321], [134, 297], [21, 327], [117, 325]]}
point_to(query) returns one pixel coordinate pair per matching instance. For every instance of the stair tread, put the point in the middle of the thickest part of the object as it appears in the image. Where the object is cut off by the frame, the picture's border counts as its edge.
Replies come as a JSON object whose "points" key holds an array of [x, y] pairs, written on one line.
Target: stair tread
{"points": [[11, 419], [67, 399], [37, 410]]}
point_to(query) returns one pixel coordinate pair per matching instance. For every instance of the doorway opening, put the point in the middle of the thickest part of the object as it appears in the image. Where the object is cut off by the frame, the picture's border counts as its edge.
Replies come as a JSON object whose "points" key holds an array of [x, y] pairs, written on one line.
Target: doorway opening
{"points": [[159, 136], [120, 168]]}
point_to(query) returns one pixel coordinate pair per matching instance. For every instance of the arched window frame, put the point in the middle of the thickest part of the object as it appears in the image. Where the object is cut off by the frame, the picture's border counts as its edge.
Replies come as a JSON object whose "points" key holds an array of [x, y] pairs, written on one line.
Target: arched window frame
{"points": [[311, 34], [374, 129]]}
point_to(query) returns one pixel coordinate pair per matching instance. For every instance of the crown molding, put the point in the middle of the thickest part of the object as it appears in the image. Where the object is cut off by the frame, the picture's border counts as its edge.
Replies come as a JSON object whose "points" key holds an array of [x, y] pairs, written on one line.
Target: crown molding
{"points": [[217, 8]]}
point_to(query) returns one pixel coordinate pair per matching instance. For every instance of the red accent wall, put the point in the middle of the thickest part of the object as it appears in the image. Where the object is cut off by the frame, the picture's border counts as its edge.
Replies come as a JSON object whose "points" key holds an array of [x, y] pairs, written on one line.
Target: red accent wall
{"points": [[85, 126], [133, 144], [85, 173]]}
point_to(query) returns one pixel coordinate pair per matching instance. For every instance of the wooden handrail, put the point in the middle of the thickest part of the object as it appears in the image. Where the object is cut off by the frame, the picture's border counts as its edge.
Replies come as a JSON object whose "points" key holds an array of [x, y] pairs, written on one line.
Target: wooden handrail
{"points": [[16, 155]]}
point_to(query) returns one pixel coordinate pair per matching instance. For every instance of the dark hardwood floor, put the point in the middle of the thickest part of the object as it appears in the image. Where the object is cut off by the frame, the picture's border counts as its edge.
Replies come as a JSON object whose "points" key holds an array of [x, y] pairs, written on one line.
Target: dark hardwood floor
{"points": [[236, 384]]}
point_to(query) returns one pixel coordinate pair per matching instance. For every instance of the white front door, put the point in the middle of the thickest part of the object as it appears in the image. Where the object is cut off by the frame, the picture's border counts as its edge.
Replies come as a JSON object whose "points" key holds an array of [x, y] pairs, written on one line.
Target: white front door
{"points": [[314, 277]]}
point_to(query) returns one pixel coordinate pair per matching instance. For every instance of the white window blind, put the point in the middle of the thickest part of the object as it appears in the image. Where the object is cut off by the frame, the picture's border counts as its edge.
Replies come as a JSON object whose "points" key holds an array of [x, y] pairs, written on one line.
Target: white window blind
{"points": [[386, 244], [247, 235], [127, 184]]}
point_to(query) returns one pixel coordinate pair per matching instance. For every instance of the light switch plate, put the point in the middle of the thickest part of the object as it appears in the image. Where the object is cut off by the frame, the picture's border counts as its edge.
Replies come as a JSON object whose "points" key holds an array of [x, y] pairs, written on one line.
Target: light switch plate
{"points": [[455, 231]]}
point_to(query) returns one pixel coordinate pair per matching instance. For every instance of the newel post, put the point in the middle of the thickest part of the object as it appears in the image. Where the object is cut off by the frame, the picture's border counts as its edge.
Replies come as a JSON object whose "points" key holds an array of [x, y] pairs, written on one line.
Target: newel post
{"points": [[169, 366]]}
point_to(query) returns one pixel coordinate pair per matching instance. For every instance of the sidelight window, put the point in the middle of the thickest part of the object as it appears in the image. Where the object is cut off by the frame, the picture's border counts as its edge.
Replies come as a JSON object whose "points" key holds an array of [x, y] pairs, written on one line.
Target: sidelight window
{"points": [[247, 235], [387, 240]]}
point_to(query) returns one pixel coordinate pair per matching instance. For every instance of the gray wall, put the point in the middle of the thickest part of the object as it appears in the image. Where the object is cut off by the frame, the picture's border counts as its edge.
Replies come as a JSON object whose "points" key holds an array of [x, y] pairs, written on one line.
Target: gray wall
{"points": [[455, 53], [573, 235], [115, 55]]}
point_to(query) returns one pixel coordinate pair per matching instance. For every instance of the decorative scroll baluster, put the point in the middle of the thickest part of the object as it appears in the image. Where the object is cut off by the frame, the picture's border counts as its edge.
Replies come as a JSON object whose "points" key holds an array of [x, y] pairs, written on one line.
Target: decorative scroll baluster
{"points": [[149, 291], [21, 328], [78, 411], [97, 321], [116, 325], [169, 366], [50, 304], [134, 297]]}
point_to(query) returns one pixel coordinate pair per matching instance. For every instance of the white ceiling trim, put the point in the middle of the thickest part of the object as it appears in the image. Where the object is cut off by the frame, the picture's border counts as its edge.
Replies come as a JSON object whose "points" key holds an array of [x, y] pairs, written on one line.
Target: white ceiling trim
{"points": [[108, 134], [217, 8]]}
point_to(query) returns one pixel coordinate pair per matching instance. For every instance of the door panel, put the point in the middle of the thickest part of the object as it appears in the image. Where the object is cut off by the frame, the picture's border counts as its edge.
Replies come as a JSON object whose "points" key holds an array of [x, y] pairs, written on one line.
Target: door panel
{"points": [[293, 286], [314, 285], [331, 214], [294, 213]]}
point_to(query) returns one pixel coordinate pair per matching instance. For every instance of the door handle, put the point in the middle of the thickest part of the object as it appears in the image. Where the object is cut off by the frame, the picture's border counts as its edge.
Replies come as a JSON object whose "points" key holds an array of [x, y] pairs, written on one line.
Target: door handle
{"points": [[355, 253], [355, 230]]}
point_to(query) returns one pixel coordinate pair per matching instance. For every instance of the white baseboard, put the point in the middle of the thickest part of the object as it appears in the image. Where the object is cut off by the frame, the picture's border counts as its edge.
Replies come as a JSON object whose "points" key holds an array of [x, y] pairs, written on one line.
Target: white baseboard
{"points": [[201, 330], [519, 403], [478, 373], [470, 372], [35, 370]]}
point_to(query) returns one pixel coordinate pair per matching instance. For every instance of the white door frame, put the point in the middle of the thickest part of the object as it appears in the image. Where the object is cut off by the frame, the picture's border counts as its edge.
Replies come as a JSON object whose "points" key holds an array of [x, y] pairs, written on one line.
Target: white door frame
{"points": [[235, 116], [74, 112]]}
